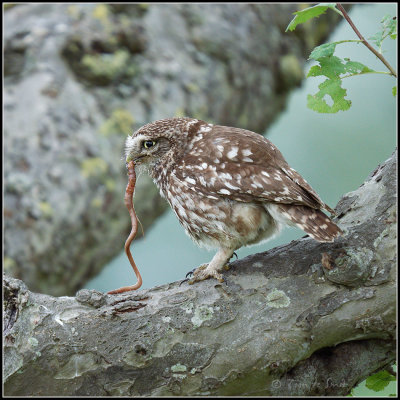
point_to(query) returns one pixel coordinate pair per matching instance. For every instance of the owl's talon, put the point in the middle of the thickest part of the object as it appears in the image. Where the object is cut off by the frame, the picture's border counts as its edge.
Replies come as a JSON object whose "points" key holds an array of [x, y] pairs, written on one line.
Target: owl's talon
{"points": [[202, 266], [190, 273], [201, 273]]}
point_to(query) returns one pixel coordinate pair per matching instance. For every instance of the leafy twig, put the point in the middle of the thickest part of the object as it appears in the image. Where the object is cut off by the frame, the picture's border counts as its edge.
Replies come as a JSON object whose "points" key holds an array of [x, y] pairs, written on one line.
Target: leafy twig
{"points": [[366, 72], [380, 56]]}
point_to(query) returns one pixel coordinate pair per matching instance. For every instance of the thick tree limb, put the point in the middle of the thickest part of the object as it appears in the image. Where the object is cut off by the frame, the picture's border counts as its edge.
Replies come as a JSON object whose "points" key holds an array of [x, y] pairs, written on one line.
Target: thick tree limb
{"points": [[284, 323]]}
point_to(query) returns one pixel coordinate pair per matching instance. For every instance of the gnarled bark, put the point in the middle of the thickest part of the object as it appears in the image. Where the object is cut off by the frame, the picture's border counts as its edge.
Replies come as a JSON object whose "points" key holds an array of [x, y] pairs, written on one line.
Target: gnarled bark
{"points": [[307, 318]]}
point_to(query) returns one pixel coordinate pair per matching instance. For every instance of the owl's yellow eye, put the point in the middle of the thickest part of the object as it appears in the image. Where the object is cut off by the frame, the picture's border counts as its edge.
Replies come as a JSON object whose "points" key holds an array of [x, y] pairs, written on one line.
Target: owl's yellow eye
{"points": [[148, 143]]}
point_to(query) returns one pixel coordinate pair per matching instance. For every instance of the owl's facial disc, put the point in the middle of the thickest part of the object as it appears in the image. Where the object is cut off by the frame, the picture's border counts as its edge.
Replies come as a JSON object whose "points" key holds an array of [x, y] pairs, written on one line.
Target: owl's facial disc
{"points": [[143, 149]]}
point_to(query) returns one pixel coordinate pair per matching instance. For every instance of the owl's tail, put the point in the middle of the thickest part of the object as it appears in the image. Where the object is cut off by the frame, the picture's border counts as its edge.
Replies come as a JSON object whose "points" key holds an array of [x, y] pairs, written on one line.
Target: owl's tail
{"points": [[312, 221]]}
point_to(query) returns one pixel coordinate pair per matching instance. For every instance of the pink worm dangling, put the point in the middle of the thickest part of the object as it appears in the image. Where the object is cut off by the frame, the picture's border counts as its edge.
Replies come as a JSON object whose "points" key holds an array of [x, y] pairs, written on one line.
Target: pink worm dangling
{"points": [[130, 188]]}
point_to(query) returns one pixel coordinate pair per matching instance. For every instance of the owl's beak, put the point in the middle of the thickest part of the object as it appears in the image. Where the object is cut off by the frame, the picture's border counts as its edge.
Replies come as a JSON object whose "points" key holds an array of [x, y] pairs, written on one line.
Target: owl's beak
{"points": [[131, 157]]}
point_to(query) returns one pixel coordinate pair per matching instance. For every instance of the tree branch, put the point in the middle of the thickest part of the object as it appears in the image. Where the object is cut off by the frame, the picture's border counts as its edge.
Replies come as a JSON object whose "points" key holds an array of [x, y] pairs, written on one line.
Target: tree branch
{"points": [[364, 42], [282, 324]]}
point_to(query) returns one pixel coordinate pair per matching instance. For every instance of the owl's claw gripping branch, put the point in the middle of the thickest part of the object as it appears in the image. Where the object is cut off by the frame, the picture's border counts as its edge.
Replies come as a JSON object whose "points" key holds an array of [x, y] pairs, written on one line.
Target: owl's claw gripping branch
{"points": [[190, 273], [129, 205], [204, 272]]}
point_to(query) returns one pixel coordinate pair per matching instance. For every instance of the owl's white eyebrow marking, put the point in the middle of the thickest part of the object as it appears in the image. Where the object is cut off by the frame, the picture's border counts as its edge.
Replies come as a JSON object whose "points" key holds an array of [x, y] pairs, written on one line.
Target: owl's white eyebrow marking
{"points": [[233, 152], [129, 143]]}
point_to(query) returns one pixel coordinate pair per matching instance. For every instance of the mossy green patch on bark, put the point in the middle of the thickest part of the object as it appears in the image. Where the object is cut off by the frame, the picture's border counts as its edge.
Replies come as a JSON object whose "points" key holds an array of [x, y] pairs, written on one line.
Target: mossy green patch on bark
{"points": [[120, 122]]}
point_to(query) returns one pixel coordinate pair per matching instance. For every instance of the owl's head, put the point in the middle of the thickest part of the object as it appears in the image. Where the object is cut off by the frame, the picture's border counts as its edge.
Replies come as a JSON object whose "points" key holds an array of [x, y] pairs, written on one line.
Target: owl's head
{"points": [[152, 143]]}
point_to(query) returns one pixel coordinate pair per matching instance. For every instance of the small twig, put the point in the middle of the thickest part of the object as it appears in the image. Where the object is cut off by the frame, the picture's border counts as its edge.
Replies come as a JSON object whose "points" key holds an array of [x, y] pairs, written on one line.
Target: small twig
{"points": [[380, 56], [369, 72]]}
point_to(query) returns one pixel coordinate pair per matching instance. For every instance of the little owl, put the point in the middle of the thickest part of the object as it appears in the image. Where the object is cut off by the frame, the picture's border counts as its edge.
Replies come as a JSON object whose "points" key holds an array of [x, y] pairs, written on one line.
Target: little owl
{"points": [[229, 187]]}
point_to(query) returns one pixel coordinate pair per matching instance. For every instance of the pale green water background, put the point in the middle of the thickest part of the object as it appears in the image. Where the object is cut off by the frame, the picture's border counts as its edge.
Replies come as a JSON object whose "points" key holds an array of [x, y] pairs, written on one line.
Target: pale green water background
{"points": [[333, 152]]}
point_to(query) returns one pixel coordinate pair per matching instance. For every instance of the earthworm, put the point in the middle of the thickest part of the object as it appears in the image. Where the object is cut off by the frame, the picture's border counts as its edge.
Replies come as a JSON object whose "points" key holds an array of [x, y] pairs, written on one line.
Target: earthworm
{"points": [[130, 187]]}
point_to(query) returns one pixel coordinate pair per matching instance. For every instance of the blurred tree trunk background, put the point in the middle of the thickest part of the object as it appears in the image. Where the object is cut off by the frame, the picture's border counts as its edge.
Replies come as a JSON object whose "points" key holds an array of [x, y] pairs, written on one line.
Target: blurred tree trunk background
{"points": [[80, 77]]}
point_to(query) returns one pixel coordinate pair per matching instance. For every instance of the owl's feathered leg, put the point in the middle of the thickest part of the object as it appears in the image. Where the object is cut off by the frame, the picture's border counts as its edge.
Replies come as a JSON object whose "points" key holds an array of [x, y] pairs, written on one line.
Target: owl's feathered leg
{"points": [[213, 268]]}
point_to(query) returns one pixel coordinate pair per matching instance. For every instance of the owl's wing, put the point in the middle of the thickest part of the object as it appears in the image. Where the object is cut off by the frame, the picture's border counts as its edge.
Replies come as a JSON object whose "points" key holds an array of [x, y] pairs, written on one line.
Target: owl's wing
{"points": [[242, 165]]}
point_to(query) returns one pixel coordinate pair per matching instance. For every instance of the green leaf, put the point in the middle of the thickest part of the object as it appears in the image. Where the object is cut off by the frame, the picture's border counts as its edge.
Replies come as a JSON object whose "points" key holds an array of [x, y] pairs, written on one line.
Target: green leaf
{"points": [[332, 67], [389, 24], [379, 381], [308, 13], [377, 38], [332, 88], [335, 67], [394, 90], [388, 28], [325, 50], [356, 68]]}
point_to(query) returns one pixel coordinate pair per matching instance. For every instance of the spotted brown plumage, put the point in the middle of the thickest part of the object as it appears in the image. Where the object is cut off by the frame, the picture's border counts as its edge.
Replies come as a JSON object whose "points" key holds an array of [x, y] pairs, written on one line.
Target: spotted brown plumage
{"points": [[229, 187]]}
